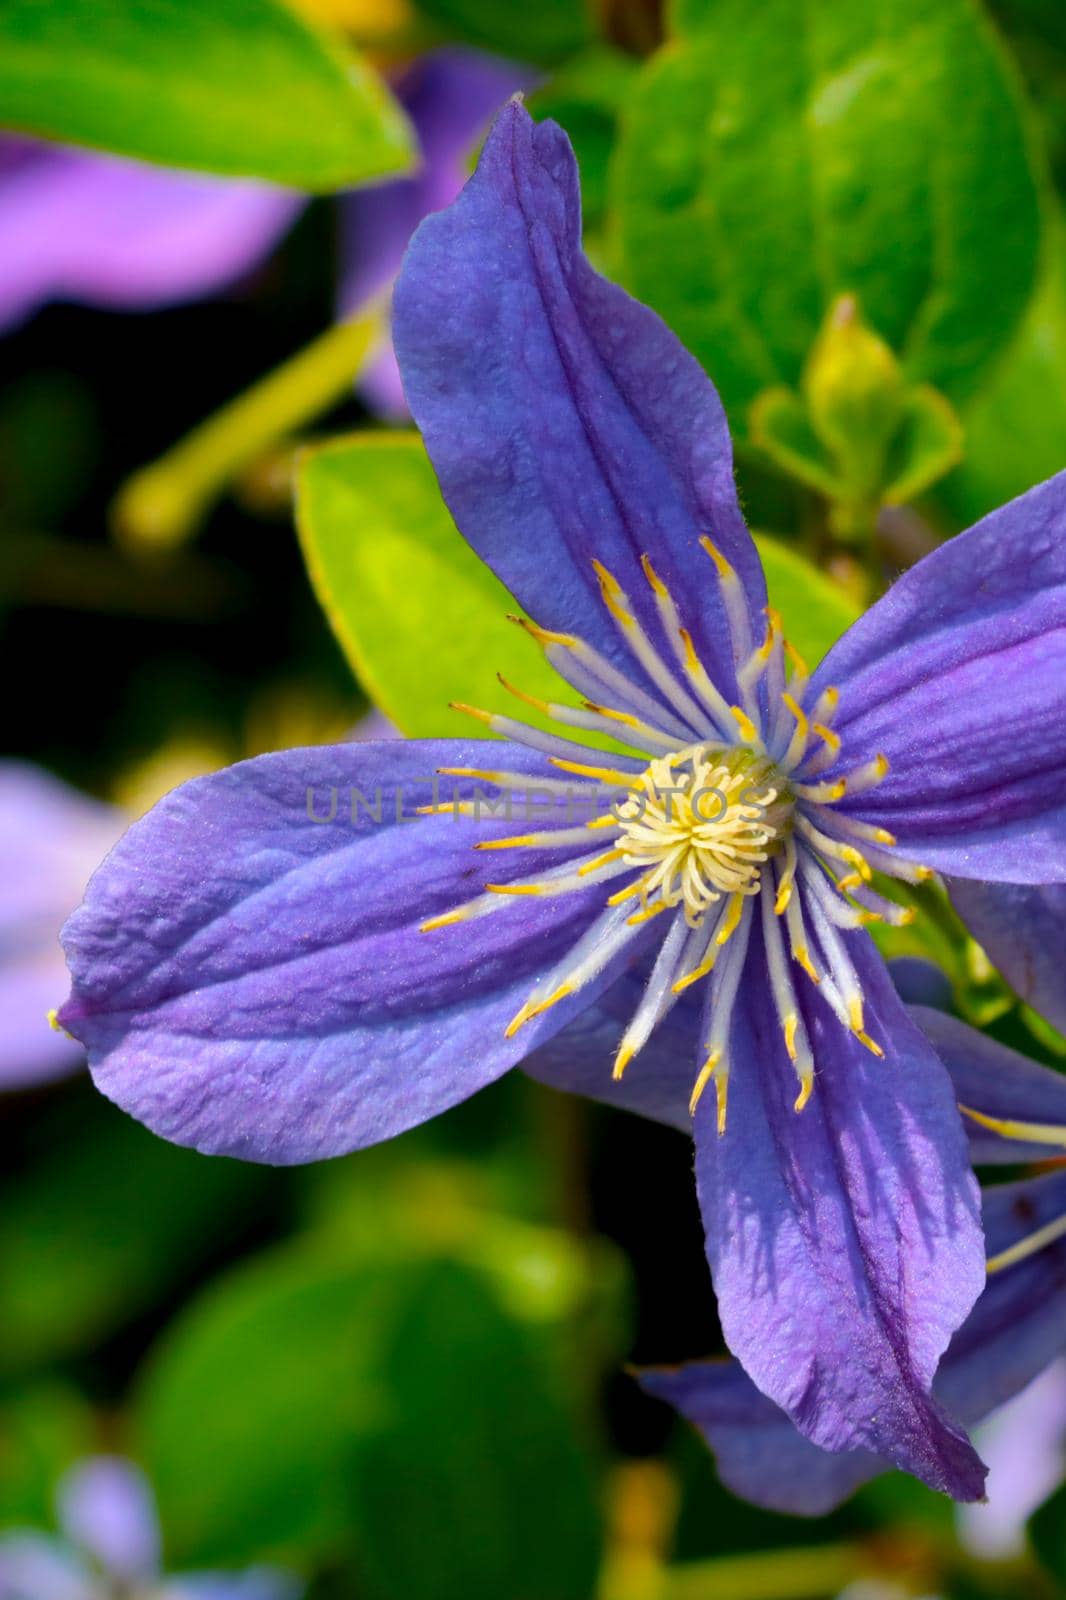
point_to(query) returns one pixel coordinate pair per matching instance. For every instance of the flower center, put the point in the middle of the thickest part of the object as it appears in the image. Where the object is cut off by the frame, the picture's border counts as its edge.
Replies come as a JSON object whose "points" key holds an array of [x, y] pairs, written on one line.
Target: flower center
{"points": [[701, 823]]}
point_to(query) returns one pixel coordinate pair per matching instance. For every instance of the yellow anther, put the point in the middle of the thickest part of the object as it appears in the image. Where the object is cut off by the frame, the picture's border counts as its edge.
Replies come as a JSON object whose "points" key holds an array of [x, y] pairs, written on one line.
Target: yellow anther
{"points": [[620, 896], [472, 711], [855, 1013], [692, 660], [646, 915], [521, 694], [542, 635], [882, 836], [830, 739], [534, 1008], [625, 1055], [706, 1073], [871, 1044], [1030, 1132], [611, 590], [443, 921], [802, 955], [799, 666], [791, 1024], [851, 880], [721, 1089], [706, 966], [614, 716], [654, 579], [806, 1086], [731, 920], [797, 711], [600, 861], [621, 780], [856, 859], [748, 731], [725, 571], [515, 888], [823, 793], [784, 895], [55, 1024], [1028, 1246], [506, 844], [470, 772]]}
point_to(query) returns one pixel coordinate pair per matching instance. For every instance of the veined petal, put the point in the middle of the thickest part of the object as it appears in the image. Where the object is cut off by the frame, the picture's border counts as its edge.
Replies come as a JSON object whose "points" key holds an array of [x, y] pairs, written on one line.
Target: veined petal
{"points": [[252, 982], [564, 420], [845, 1240], [1022, 929], [998, 1083], [1016, 1328], [958, 676]]}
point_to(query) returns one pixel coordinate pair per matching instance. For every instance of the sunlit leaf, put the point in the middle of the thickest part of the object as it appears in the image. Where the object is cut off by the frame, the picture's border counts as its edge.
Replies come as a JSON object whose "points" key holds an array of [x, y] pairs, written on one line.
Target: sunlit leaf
{"points": [[246, 87], [776, 156]]}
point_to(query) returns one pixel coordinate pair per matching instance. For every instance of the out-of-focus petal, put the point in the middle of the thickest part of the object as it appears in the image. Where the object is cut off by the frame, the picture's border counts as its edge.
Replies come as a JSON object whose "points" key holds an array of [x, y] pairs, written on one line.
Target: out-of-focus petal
{"points": [[51, 838], [106, 1508], [35, 1568], [102, 230], [564, 420], [920, 983], [1022, 929], [958, 676], [260, 1583], [1025, 1447], [255, 983], [998, 1082], [449, 96], [845, 1240]]}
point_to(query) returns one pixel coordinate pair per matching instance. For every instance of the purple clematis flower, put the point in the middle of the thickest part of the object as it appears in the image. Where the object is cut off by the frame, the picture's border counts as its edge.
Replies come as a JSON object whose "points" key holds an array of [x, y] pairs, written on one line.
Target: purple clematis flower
{"points": [[263, 969], [77, 225], [51, 837], [110, 1545], [1015, 1333]]}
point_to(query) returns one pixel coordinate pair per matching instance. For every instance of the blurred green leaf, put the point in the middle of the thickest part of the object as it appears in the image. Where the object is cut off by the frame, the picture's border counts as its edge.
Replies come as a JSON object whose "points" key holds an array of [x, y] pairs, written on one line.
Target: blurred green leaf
{"points": [[544, 32], [1047, 1529], [108, 1220], [1016, 429], [421, 619], [43, 1430], [308, 1402], [244, 88], [774, 157], [249, 1414], [586, 96], [474, 1485], [814, 611]]}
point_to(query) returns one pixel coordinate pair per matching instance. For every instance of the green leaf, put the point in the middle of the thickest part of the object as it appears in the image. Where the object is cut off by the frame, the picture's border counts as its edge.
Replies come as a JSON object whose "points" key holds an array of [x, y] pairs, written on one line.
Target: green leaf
{"points": [[1015, 431], [242, 88], [421, 619], [776, 156], [107, 1220], [475, 1484], [544, 32], [814, 611], [44, 1428], [929, 443], [306, 1403], [1047, 1529]]}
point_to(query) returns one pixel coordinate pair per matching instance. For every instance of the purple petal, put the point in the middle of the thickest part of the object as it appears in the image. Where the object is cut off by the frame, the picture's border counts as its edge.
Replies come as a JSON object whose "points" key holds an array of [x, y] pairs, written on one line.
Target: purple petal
{"points": [[958, 675], [107, 1509], [252, 982], [1000, 1083], [51, 838], [35, 1568], [845, 1242], [919, 982], [565, 422], [1022, 929], [1016, 1328], [98, 229], [449, 96]]}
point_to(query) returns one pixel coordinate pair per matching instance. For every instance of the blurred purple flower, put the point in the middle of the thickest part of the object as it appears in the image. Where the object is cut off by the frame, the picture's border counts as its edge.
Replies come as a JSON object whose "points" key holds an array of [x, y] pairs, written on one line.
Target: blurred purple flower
{"points": [[1024, 1445], [77, 225], [251, 981], [104, 231], [109, 1544], [51, 840]]}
